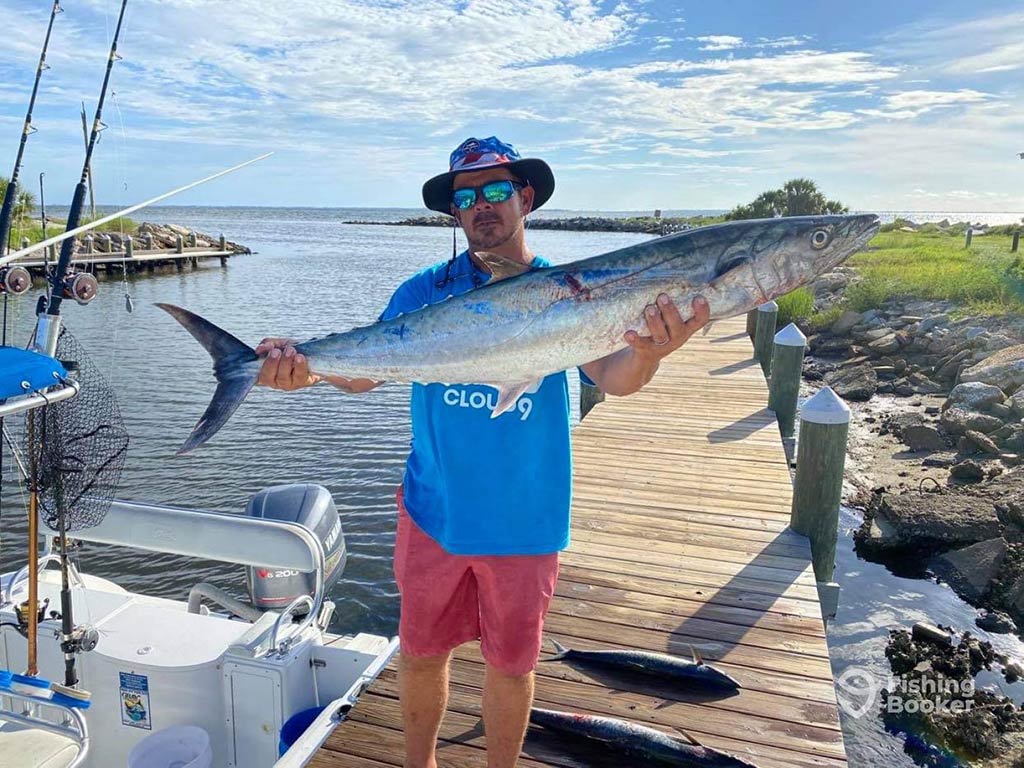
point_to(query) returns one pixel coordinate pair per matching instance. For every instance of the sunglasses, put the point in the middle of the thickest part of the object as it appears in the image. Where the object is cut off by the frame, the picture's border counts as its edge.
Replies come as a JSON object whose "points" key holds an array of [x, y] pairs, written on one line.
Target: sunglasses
{"points": [[465, 198]]}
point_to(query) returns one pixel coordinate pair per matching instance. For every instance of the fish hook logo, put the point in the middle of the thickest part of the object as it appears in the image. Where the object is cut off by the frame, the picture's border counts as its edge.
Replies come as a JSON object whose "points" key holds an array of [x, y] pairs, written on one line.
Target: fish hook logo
{"points": [[857, 691]]}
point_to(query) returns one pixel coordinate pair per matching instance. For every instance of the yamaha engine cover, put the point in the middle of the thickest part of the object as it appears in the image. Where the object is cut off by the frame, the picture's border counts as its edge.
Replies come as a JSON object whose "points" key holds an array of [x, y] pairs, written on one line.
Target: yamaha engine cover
{"points": [[313, 507]]}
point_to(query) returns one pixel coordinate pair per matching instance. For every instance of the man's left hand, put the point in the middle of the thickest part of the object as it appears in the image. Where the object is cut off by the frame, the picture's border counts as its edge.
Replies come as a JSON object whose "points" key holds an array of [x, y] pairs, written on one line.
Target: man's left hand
{"points": [[667, 328]]}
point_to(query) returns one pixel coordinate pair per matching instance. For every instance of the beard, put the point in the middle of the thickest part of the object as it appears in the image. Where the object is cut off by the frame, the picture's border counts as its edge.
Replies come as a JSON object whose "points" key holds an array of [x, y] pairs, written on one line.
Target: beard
{"points": [[490, 234]]}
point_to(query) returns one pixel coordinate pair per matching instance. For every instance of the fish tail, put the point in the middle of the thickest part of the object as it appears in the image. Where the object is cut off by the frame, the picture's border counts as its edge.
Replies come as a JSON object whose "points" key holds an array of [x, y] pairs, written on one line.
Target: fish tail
{"points": [[561, 651], [235, 377]]}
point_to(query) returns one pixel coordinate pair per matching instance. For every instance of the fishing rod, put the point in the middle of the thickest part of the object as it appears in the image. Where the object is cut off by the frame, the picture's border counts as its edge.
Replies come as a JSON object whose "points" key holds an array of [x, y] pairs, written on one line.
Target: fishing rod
{"points": [[47, 335], [11, 193], [125, 211], [67, 249]]}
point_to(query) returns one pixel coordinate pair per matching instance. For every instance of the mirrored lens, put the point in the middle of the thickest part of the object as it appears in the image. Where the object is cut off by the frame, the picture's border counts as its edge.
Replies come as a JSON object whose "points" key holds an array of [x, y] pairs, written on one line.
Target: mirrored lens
{"points": [[497, 191], [464, 198]]}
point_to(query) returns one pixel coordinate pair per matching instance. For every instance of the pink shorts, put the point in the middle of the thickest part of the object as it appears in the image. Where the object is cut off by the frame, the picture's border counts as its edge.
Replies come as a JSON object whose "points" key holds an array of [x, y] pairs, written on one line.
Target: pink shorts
{"points": [[448, 600]]}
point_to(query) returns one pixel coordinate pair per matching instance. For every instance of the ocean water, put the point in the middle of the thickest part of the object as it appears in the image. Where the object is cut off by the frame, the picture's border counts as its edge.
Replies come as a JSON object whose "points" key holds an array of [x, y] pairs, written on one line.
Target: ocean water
{"points": [[311, 274]]}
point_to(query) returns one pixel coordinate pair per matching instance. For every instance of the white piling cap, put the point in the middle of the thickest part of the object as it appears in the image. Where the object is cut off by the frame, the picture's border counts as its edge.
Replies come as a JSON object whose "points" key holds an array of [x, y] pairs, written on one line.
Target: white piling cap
{"points": [[770, 306], [791, 336], [826, 407]]}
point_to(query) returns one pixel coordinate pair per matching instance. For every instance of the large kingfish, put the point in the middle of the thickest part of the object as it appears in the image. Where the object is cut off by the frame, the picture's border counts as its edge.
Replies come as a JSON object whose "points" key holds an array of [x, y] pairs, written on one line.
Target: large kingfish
{"points": [[512, 333], [661, 665], [647, 744]]}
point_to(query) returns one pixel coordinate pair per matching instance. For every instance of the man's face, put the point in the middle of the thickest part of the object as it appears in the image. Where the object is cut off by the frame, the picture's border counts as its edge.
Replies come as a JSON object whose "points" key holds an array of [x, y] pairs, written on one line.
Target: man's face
{"points": [[489, 225]]}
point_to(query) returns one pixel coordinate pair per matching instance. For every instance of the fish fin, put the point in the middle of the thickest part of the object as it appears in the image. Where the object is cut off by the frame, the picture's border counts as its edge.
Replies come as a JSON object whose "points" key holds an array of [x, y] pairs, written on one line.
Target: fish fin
{"points": [[707, 328], [508, 394], [696, 656], [500, 267], [234, 376], [687, 736], [560, 651]]}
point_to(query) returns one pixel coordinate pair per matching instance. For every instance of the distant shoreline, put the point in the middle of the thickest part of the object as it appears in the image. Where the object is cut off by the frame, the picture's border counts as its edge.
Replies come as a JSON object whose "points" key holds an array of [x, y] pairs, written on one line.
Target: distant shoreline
{"points": [[648, 225]]}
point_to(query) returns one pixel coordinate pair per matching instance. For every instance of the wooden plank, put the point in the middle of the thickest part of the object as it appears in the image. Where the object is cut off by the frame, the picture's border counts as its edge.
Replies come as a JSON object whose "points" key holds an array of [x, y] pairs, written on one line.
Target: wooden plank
{"points": [[680, 539]]}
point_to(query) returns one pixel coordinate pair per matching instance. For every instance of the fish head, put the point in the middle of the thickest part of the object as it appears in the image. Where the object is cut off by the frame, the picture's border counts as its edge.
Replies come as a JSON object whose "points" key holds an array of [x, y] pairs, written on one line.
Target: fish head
{"points": [[767, 258]]}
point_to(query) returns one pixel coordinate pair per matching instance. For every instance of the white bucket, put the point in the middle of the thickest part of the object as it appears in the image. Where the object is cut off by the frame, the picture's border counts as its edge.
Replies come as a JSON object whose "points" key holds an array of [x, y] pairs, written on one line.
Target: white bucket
{"points": [[181, 746]]}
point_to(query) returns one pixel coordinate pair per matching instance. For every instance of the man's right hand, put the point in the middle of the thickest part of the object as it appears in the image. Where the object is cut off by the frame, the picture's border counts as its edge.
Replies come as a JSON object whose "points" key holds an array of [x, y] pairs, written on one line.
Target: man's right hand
{"points": [[283, 367]]}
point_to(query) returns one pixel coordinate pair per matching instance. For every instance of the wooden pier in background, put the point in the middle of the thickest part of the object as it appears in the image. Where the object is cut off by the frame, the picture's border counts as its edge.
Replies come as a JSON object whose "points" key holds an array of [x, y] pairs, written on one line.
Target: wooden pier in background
{"points": [[138, 261], [680, 540]]}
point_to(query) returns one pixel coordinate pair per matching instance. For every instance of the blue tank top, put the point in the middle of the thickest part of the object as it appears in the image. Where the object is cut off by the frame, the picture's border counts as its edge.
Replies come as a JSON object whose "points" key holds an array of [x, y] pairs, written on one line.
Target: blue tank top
{"points": [[477, 485]]}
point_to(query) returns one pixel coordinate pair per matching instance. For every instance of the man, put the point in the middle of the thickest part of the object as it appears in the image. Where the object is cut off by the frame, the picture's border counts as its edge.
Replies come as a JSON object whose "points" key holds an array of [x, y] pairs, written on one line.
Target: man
{"points": [[484, 505]]}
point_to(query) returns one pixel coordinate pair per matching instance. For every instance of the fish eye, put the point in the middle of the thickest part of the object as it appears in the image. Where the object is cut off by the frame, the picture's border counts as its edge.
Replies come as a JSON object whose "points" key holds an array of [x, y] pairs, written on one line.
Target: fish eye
{"points": [[819, 238]]}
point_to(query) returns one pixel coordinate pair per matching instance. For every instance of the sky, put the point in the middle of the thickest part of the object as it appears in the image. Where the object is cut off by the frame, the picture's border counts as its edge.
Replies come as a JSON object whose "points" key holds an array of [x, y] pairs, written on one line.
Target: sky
{"points": [[636, 104]]}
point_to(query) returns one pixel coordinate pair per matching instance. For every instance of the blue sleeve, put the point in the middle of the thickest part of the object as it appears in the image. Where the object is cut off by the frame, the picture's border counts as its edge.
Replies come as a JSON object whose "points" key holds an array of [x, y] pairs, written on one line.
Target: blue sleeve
{"points": [[412, 295], [584, 379]]}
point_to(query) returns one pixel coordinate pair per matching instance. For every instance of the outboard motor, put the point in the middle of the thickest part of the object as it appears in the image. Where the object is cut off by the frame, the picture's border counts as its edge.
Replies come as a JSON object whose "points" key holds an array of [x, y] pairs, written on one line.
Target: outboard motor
{"points": [[313, 507]]}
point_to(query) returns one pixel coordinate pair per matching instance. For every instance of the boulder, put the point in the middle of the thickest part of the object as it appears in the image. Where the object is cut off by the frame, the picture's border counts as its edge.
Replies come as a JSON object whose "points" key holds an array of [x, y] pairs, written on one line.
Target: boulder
{"points": [[846, 321], [968, 471], [1016, 402], [923, 438], [998, 623], [1004, 369], [1001, 411], [933, 521], [970, 570], [885, 345], [973, 396], [855, 382], [825, 344], [956, 421], [984, 442], [830, 282]]}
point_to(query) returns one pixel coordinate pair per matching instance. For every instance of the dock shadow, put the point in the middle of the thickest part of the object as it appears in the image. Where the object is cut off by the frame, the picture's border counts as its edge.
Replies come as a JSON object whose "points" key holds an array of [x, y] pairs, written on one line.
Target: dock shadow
{"points": [[739, 365], [744, 428], [730, 337], [772, 583]]}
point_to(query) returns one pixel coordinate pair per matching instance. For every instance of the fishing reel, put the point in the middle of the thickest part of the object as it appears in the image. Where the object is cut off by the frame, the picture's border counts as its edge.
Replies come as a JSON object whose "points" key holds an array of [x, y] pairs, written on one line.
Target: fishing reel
{"points": [[80, 286], [15, 280]]}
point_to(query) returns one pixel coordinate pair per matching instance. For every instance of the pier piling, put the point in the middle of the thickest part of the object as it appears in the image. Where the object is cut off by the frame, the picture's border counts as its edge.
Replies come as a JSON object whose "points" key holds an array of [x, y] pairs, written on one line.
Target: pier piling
{"points": [[818, 486], [784, 388], [752, 324], [766, 317]]}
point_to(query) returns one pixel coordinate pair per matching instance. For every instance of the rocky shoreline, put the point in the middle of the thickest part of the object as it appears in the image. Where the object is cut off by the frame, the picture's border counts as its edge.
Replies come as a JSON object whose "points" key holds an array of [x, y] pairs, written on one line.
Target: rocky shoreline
{"points": [[640, 224], [156, 236], [935, 464]]}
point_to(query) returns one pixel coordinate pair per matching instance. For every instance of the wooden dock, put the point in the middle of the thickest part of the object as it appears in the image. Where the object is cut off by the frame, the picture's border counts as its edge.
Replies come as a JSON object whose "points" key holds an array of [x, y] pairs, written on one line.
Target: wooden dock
{"points": [[138, 260], [681, 503]]}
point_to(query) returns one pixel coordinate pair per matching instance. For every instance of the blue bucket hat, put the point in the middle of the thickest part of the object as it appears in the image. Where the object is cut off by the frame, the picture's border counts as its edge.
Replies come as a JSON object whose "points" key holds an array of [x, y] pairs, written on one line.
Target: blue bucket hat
{"points": [[475, 155]]}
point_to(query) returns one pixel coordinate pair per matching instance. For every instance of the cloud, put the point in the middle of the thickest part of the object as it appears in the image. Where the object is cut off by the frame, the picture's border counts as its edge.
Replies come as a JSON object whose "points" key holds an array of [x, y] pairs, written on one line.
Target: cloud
{"points": [[718, 42]]}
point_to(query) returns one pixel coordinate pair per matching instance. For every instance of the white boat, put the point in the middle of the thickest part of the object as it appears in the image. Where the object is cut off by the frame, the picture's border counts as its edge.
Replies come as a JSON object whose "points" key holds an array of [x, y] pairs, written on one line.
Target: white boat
{"points": [[239, 672]]}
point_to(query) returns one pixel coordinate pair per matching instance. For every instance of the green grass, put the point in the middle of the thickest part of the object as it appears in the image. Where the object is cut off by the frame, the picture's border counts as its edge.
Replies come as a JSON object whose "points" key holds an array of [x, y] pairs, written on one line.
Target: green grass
{"points": [[985, 280], [33, 230], [795, 306]]}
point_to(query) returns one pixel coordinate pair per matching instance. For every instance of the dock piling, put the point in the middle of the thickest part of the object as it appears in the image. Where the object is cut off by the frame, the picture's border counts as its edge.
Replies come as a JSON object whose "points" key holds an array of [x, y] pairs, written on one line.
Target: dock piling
{"points": [[24, 242], [90, 244], [179, 244], [129, 247], [192, 242], [818, 486], [223, 242], [147, 241], [752, 324], [767, 314], [787, 365]]}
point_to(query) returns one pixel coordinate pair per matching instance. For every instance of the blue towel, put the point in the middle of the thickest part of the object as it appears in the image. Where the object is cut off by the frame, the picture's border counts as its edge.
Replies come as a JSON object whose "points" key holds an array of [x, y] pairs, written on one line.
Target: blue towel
{"points": [[23, 372]]}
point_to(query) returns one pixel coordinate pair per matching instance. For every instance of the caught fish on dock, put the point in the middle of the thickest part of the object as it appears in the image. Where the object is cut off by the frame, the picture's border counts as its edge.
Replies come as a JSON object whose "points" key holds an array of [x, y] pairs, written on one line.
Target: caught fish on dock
{"points": [[511, 333], [661, 665], [639, 741]]}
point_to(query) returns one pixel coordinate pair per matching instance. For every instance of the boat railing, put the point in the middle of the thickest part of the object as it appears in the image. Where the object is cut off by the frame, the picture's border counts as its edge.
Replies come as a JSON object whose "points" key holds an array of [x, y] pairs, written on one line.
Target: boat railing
{"points": [[220, 536]]}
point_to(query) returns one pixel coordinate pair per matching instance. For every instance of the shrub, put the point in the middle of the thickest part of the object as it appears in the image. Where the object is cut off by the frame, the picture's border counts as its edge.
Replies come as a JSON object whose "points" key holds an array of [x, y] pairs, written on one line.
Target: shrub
{"points": [[794, 306]]}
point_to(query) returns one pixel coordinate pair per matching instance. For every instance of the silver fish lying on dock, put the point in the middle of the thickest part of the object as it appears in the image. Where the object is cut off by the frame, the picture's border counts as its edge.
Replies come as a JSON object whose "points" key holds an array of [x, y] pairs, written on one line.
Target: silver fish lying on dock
{"points": [[660, 664], [647, 744], [511, 334]]}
